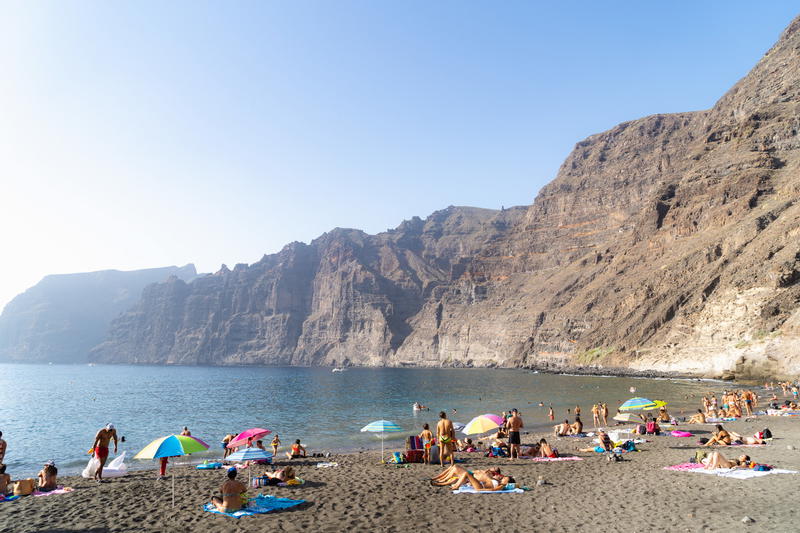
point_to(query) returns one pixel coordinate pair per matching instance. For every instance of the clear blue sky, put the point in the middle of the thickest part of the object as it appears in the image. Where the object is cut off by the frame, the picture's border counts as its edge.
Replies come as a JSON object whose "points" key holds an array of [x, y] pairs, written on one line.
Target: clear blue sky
{"points": [[138, 134]]}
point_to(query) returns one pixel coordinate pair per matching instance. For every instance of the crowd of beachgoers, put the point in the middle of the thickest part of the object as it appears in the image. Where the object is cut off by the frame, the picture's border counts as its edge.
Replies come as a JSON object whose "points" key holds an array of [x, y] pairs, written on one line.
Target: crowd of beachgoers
{"points": [[494, 439]]}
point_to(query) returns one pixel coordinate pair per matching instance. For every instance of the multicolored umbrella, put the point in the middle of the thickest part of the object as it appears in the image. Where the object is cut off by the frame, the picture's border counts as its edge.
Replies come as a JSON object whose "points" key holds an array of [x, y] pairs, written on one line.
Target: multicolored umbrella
{"points": [[638, 403], [249, 454], [252, 434], [482, 424], [381, 428], [171, 446], [628, 418]]}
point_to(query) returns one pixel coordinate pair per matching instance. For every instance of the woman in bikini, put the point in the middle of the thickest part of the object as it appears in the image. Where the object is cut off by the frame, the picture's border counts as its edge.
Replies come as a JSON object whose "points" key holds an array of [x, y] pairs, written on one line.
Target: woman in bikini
{"points": [[496, 481], [717, 460], [47, 477], [545, 450], [721, 437], [296, 451], [232, 491]]}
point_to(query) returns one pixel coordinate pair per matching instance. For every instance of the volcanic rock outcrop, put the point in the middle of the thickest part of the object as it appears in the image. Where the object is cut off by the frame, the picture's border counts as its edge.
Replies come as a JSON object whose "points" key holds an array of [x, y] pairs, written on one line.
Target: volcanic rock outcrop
{"points": [[64, 316], [667, 243]]}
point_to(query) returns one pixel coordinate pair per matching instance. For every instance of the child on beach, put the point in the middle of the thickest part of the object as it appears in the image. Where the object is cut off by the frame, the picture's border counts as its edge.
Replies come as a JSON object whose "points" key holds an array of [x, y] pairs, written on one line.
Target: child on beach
{"points": [[426, 436], [275, 443]]}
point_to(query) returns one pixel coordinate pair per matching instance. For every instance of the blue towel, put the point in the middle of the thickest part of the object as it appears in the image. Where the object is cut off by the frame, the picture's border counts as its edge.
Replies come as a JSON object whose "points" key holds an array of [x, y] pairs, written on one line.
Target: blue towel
{"points": [[4, 498], [259, 505]]}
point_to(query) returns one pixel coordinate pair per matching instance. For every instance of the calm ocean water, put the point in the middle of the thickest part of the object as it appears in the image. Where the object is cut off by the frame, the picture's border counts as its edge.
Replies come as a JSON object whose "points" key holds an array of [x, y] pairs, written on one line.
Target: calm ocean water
{"points": [[53, 411]]}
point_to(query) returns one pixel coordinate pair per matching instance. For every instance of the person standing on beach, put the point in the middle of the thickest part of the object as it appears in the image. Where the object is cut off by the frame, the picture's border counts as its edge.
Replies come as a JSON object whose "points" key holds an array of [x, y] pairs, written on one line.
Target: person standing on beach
{"points": [[596, 415], [100, 446], [427, 438], [225, 450], [604, 413], [275, 443], [550, 413], [514, 425], [446, 437]]}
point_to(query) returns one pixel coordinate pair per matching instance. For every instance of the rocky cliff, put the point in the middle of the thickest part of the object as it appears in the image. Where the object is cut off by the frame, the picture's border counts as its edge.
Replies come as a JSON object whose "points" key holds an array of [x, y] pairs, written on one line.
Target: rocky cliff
{"points": [[666, 243], [64, 316]]}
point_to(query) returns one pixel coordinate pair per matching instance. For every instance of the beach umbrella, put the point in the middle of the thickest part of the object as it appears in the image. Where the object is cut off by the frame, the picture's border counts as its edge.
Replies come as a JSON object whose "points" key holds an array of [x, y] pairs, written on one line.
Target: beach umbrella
{"points": [[381, 428], [657, 404], [458, 426], [171, 446], [637, 403], [249, 454], [252, 433], [628, 418], [482, 424]]}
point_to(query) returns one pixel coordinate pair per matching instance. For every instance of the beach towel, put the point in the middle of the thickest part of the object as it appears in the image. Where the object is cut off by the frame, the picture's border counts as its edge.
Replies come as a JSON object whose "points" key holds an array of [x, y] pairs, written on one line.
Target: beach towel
{"points": [[292, 482], [736, 473], [678, 433], [550, 459], [467, 489], [59, 490], [4, 498], [209, 466], [327, 465], [261, 504]]}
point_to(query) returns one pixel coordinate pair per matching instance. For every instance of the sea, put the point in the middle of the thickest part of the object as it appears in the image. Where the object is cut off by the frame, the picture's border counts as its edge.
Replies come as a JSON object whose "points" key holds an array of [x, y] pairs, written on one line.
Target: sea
{"points": [[52, 412]]}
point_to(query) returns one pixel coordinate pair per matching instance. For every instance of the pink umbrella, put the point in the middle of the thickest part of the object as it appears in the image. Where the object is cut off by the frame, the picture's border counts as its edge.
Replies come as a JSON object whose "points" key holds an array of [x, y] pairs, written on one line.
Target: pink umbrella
{"points": [[252, 433]]}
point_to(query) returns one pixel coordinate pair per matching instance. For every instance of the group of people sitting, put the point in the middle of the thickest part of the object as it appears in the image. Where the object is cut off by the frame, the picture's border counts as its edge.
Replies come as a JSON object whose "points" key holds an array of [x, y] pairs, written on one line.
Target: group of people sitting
{"points": [[47, 480], [565, 429], [234, 493]]}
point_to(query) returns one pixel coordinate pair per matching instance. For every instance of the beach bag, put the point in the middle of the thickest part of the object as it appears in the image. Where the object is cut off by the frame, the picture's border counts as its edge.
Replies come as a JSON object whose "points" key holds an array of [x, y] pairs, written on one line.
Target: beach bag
{"points": [[767, 434], [397, 458], [762, 468], [413, 443], [24, 487], [414, 456]]}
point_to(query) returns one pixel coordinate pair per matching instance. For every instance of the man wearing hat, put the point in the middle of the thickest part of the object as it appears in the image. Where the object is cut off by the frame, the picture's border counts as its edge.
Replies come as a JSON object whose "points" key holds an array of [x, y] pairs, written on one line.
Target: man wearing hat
{"points": [[100, 447]]}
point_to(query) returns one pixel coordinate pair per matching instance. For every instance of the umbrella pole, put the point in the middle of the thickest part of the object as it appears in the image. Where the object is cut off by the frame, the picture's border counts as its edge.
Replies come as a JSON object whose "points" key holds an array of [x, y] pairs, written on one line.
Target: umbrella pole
{"points": [[173, 488]]}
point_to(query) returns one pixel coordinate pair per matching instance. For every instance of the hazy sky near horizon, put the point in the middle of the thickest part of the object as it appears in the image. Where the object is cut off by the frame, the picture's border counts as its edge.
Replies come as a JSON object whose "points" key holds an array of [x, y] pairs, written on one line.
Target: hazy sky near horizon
{"points": [[143, 134]]}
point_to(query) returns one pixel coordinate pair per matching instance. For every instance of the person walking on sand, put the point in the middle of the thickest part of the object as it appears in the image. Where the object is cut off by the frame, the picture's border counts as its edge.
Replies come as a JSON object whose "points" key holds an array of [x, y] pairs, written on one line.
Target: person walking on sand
{"points": [[100, 447], [514, 425], [446, 437], [225, 450], [596, 415]]}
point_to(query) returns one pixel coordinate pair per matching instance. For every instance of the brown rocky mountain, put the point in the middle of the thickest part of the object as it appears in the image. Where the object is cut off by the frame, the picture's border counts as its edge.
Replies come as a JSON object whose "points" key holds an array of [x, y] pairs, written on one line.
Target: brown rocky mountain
{"points": [[667, 243]]}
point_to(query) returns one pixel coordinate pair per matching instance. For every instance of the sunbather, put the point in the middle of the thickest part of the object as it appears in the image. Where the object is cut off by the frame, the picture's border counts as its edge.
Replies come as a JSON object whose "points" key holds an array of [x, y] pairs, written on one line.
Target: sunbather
{"points": [[47, 477], [5, 480], [283, 475], [232, 491], [297, 450], [577, 427], [717, 460], [699, 418], [452, 473], [545, 450], [721, 437], [496, 481], [562, 430]]}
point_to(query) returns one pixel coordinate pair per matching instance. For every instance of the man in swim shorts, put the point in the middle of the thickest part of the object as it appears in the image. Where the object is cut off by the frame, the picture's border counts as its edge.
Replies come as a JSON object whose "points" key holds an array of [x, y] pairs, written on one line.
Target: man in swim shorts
{"points": [[514, 424], [446, 437], [100, 446]]}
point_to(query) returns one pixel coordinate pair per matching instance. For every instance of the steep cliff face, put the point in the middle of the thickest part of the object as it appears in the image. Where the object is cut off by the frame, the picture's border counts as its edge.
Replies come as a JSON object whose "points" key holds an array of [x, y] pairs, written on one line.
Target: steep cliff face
{"points": [[667, 243], [63, 316]]}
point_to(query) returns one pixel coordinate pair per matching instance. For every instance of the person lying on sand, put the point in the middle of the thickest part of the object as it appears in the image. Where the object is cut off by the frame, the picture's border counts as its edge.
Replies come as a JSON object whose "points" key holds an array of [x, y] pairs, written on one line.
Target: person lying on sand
{"points": [[232, 491], [717, 460], [297, 450], [48, 477], [721, 437], [455, 476], [699, 418], [562, 430], [497, 481], [739, 439], [280, 476]]}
